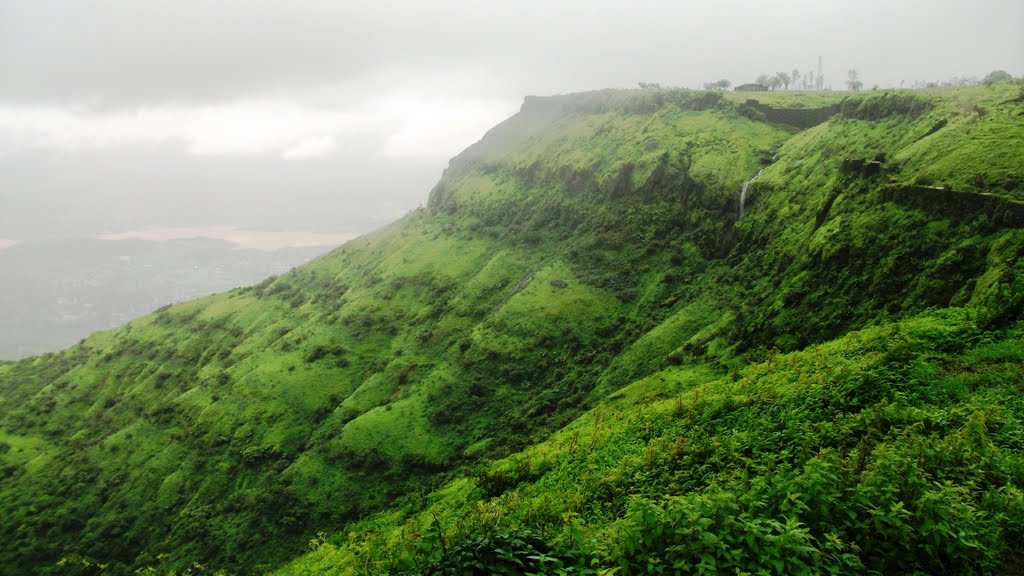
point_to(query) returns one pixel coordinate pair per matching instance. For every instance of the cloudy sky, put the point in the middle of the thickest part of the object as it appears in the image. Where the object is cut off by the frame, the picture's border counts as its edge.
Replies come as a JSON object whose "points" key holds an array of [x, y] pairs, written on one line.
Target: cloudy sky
{"points": [[333, 115]]}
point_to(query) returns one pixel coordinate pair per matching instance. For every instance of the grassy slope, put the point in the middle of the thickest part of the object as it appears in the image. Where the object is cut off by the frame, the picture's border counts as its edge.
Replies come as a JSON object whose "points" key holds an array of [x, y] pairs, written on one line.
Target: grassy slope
{"points": [[827, 238], [789, 98], [586, 243], [226, 429], [896, 449]]}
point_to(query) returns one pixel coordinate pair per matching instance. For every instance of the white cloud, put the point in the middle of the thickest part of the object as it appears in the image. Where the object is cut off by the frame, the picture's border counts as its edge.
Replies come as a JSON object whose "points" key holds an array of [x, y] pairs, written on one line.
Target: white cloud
{"points": [[311, 147], [430, 127], [236, 128], [410, 126]]}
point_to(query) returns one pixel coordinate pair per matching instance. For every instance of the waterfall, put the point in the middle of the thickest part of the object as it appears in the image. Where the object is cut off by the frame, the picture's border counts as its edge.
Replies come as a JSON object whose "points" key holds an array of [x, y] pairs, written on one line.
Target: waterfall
{"points": [[743, 191]]}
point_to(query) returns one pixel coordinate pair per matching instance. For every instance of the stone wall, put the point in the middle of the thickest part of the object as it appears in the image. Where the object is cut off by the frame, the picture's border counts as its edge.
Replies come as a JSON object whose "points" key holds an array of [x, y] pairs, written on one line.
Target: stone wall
{"points": [[798, 117]]}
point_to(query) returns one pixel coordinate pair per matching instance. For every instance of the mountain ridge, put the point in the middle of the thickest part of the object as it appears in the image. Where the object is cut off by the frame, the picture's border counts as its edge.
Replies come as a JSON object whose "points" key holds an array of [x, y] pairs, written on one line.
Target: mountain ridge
{"points": [[579, 247]]}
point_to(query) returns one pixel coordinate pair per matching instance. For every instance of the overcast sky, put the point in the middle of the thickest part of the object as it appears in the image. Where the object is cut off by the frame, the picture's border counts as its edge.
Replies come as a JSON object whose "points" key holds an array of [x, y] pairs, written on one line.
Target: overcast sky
{"points": [[339, 116]]}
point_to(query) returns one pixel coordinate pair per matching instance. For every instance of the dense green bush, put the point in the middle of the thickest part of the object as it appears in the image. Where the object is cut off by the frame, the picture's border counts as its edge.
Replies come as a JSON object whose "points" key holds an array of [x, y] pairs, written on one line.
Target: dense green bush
{"points": [[885, 104]]}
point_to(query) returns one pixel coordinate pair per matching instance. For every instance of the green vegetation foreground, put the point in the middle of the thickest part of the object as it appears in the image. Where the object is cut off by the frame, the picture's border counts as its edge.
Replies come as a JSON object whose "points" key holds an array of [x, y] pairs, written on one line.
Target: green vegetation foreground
{"points": [[578, 357]]}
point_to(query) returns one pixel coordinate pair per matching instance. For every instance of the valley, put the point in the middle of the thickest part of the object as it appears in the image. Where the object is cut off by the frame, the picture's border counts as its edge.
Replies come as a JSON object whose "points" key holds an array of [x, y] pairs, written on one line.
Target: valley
{"points": [[577, 358]]}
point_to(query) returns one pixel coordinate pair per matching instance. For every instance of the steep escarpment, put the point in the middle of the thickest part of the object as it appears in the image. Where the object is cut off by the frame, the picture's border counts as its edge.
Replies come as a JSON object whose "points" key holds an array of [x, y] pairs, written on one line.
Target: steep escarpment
{"points": [[836, 227], [584, 258]]}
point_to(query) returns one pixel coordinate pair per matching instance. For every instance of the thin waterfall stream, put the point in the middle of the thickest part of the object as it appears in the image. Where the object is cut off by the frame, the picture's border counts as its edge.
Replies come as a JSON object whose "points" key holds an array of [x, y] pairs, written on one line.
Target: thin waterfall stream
{"points": [[743, 190]]}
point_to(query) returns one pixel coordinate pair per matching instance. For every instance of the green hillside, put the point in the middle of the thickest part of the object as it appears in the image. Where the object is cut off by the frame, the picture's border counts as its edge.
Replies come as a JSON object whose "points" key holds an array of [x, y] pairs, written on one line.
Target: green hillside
{"points": [[579, 356], [894, 450]]}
